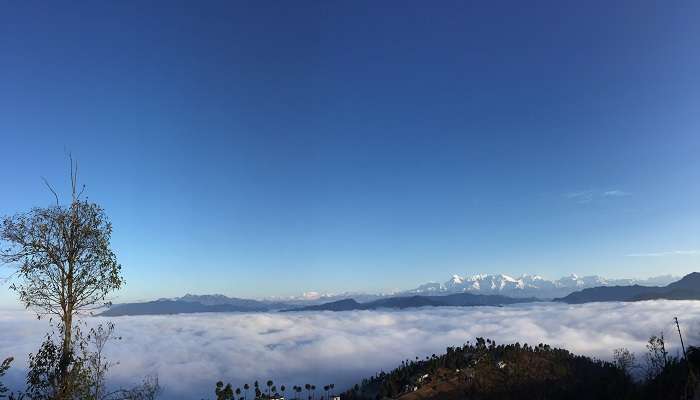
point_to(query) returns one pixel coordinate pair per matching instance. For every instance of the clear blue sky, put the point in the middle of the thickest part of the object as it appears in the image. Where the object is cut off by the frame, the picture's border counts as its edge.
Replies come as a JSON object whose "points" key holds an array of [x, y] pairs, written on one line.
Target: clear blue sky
{"points": [[260, 148]]}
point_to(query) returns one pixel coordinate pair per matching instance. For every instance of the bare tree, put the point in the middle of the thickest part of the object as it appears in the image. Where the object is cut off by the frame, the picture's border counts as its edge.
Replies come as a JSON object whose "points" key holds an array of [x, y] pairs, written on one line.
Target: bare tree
{"points": [[624, 360], [148, 390], [657, 356], [97, 364], [64, 262]]}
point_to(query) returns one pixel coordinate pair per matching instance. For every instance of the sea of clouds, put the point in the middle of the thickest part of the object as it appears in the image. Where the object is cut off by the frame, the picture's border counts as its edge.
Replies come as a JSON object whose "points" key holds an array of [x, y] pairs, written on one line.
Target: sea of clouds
{"points": [[191, 352]]}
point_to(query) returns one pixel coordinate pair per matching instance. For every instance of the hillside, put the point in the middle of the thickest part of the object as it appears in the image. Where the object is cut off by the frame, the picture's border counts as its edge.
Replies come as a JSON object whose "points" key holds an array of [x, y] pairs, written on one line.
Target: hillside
{"points": [[486, 371], [687, 288]]}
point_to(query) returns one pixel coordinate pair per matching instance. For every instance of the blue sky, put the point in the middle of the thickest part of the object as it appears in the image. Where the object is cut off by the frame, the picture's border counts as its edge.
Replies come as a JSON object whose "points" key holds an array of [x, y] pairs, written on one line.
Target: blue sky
{"points": [[261, 149]]}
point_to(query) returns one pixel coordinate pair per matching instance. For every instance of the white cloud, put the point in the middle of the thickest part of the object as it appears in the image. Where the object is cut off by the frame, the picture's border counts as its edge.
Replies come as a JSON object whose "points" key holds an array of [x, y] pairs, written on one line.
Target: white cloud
{"points": [[615, 193], [584, 196], [588, 196], [191, 352], [666, 253]]}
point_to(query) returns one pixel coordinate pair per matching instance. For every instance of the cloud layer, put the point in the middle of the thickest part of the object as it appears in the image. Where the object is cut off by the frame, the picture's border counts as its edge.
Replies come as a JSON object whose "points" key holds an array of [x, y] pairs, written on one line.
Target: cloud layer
{"points": [[191, 352], [588, 196]]}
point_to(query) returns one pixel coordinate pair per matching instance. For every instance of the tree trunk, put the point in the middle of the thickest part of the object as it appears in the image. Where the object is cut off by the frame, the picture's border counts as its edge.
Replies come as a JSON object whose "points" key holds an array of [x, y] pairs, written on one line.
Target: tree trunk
{"points": [[66, 350]]}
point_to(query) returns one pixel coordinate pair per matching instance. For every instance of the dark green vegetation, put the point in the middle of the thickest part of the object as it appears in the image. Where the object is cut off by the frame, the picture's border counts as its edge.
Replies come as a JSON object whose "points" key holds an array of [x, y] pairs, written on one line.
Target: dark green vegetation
{"points": [[4, 366], [271, 392], [687, 288], [486, 371]]}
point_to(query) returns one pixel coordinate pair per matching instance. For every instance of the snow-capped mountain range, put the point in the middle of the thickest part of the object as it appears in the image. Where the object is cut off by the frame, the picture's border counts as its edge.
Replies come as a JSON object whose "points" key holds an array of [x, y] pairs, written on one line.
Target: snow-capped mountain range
{"points": [[501, 284], [459, 291], [529, 285], [520, 286]]}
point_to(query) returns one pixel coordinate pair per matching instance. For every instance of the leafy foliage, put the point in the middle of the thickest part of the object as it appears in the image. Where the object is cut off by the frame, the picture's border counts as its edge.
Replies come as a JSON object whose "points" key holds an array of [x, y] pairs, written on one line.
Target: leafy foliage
{"points": [[48, 377], [86, 376], [65, 263], [4, 366], [624, 360], [223, 392]]}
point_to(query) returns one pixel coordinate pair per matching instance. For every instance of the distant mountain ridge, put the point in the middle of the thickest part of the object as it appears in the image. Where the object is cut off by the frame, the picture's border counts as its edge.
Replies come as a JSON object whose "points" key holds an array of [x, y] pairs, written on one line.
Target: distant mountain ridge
{"points": [[193, 304], [473, 291], [451, 300], [221, 300], [525, 285], [529, 285], [687, 288]]}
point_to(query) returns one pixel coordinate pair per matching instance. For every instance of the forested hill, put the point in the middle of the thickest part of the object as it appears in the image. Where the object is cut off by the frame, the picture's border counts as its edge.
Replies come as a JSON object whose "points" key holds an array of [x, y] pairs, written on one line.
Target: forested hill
{"points": [[486, 371]]}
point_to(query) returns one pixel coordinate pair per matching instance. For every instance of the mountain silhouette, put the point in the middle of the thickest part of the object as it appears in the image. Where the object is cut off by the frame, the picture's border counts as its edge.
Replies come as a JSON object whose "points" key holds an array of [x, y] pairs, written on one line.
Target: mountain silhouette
{"points": [[454, 300], [687, 288], [187, 307]]}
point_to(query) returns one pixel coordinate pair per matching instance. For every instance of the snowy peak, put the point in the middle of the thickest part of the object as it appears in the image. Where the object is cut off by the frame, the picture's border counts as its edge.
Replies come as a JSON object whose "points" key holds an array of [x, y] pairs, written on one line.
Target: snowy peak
{"points": [[528, 285]]}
